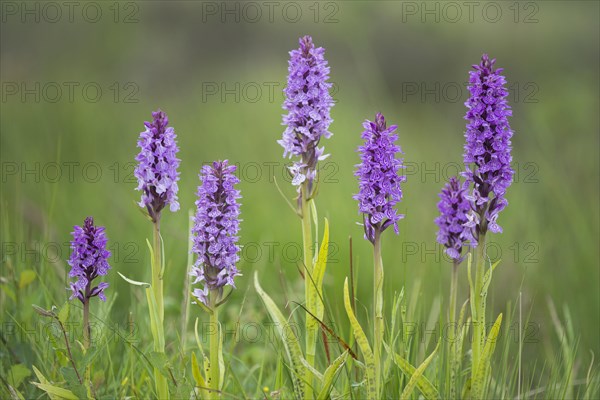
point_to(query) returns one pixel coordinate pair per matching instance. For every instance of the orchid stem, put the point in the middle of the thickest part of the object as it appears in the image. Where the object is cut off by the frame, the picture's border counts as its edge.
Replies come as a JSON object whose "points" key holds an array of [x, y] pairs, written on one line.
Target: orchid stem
{"points": [[162, 388], [214, 349], [478, 305], [452, 328], [308, 255], [377, 307]]}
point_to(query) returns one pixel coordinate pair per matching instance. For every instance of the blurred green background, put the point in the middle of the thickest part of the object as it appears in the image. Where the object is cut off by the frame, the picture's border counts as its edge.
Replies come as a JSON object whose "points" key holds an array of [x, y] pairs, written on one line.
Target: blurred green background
{"points": [[217, 69]]}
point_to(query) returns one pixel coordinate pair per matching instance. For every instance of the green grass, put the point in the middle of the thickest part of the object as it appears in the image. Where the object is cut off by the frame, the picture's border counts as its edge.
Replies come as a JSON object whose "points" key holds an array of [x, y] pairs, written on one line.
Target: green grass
{"points": [[546, 285]]}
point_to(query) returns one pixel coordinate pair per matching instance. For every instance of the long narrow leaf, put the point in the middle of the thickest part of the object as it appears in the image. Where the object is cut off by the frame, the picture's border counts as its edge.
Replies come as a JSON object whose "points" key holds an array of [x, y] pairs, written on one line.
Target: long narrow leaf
{"points": [[315, 300], [43, 381], [481, 376], [288, 337], [417, 375], [363, 343], [330, 374], [424, 384], [200, 382], [56, 391]]}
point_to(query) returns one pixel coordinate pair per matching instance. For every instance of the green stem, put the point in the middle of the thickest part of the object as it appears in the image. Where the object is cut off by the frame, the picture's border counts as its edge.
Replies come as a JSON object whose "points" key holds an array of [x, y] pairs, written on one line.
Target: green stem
{"points": [[479, 305], [162, 388], [377, 307], [87, 342], [86, 324], [157, 279], [452, 331], [214, 350], [308, 256]]}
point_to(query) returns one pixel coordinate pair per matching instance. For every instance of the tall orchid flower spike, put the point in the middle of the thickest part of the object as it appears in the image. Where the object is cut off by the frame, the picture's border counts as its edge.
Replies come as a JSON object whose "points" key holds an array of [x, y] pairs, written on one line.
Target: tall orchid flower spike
{"points": [[157, 176], [454, 235], [487, 159], [308, 104], [379, 193], [215, 237]]}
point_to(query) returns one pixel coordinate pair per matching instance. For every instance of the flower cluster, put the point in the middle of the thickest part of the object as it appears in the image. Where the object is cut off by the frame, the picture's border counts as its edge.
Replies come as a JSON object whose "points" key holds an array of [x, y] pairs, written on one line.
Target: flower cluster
{"points": [[216, 225], [157, 169], [379, 182], [488, 146], [308, 103], [88, 260], [454, 210]]}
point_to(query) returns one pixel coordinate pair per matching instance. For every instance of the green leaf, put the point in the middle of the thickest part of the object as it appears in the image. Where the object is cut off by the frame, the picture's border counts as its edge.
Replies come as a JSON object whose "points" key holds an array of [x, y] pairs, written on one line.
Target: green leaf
{"points": [[315, 288], [424, 385], [220, 359], [132, 282], [330, 374], [288, 337], [63, 314], [363, 343], [198, 341], [196, 372], [56, 391], [39, 375], [27, 276], [457, 346], [481, 375], [471, 288], [201, 305], [162, 257], [284, 197], [393, 334], [155, 321], [315, 216], [311, 369], [487, 278], [17, 374], [418, 375]]}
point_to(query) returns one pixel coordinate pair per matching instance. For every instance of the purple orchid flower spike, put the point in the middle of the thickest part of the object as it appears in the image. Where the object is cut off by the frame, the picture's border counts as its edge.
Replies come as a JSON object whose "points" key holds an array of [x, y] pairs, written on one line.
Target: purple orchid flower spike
{"points": [[487, 152], [215, 230], [308, 104], [88, 261], [378, 177], [454, 231], [157, 166]]}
